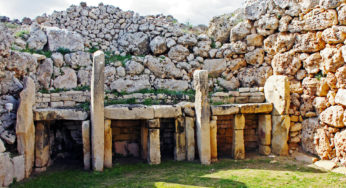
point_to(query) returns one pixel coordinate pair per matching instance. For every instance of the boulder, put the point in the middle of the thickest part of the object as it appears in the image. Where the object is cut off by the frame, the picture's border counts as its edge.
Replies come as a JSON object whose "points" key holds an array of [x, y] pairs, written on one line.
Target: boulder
{"points": [[322, 144], [332, 59], [279, 43], [230, 84], [18, 167], [312, 63], [187, 40], [287, 63], [254, 9], [178, 53], [320, 19], [340, 146], [342, 15], [309, 42], [255, 57], [7, 39], [9, 83], [340, 97], [78, 59], [158, 45], [329, 4], [37, 39], [58, 59], [134, 43], [340, 76], [254, 40], [333, 116], [162, 67], [66, 81], [334, 35], [171, 84], [128, 85], [240, 31], [133, 68], [214, 66], [44, 73], [267, 24], [309, 128], [21, 63], [62, 38]]}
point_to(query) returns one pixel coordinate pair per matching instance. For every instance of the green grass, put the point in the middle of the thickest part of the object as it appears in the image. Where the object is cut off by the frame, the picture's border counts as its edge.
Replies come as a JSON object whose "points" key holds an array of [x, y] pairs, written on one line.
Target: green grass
{"points": [[225, 173], [110, 57], [58, 90], [20, 34], [63, 51], [46, 53]]}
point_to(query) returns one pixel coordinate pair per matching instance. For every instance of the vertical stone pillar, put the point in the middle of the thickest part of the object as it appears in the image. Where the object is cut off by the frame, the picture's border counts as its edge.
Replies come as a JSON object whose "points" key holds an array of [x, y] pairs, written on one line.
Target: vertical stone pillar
{"points": [[264, 133], [202, 109], [108, 144], [238, 148], [42, 154], [86, 144], [154, 154], [213, 138], [277, 92], [97, 111], [180, 142], [190, 138], [25, 128], [144, 140]]}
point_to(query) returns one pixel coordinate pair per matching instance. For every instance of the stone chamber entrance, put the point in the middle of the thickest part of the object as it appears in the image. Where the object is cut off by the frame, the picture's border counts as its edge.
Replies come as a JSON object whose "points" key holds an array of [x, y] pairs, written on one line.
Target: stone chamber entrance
{"points": [[167, 143]]}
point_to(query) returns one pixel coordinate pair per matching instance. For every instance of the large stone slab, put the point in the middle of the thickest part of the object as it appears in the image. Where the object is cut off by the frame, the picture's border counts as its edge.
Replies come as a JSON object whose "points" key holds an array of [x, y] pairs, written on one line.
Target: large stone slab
{"points": [[124, 112], [166, 111], [238, 145], [215, 66], [49, 114], [108, 144], [62, 38], [6, 169], [154, 154], [213, 138], [227, 109], [25, 128], [277, 91], [86, 144], [97, 111], [18, 167], [42, 146], [144, 140], [264, 129], [280, 130], [180, 141], [202, 110], [254, 108], [190, 138]]}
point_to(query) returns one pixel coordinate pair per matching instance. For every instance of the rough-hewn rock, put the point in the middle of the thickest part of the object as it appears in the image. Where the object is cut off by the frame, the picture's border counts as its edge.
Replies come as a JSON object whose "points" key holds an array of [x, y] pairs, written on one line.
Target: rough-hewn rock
{"points": [[240, 31], [44, 73], [255, 57], [286, 63], [319, 19], [214, 66], [158, 45], [78, 59], [68, 80], [309, 42], [171, 84], [340, 76], [178, 53], [62, 38], [278, 43], [332, 59], [340, 146], [277, 91], [21, 63], [136, 43], [333, 116], [37, 39], [334, 35], [162, 67], [340, 97], [312, 63]]}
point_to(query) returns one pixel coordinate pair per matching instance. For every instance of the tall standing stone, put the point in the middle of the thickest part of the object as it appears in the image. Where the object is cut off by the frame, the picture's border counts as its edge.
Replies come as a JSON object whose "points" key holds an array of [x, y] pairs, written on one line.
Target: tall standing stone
{"points": [[97, 111], [264, 133], [25, 128], [86, 144], [280, 133], [42, 153], [108, 144], [190, 138], [180, 142], [202, 109], [238, 148], [144, 140], [154, 154], [213, 138]]}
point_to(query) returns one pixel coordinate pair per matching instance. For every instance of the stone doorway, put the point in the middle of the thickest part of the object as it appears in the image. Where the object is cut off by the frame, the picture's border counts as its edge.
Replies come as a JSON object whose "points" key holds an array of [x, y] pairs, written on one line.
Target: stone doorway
{"points": [[167, 143], [224, 135]]}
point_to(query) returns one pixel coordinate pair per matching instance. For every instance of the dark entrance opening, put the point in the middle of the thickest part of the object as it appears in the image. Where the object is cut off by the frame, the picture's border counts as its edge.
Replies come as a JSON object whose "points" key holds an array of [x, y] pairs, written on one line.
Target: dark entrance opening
{"points": [[167, 129]]}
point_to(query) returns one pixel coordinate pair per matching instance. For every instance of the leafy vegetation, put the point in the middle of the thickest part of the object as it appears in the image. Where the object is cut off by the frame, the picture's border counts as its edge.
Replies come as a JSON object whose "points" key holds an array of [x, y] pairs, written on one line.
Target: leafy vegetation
{"points": [[46, 53], [120, 101], [85, 106], [110, 57], [319, 75], [93, 49], [22, 33], [257, 172], [213, 43], [63, 51]]}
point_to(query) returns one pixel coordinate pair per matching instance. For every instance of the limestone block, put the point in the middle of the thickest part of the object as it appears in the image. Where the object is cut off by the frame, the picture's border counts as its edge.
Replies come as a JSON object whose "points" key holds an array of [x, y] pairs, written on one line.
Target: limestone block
{"points": [[108, 144], [264, 150], [264, 129], [333, 116], [62, 38], [256, 108], [238, 147], [144, 140], [166, 111], [42, 147], [25, 128], [224, 110], [340, 97], [202, 109], [280, 130], [97, 111], [213, 138], [6, 169], [277, 91], [214, 66], [180, 141], [18, 167], [190, 138], [153, 123], [239, 122], [129, 112], [154, 154], [2, 146], [86, 144], [59, 114]]}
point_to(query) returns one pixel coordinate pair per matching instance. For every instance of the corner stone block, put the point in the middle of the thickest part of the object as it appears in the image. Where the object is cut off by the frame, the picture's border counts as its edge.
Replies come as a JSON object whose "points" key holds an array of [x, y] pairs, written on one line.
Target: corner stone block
{"points": [[277, 91], [280, 131], [25, 128], [213, 138], [265, 129], [202, 109], [86, 144], [42, 148], [97, 111], [108, 144], [154, 154], [190, 138], [180, 142]]}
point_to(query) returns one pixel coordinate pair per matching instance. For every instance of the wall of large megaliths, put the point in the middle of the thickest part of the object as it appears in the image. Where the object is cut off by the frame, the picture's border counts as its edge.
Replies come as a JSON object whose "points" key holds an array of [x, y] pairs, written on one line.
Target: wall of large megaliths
{"points": [[152, 59]]}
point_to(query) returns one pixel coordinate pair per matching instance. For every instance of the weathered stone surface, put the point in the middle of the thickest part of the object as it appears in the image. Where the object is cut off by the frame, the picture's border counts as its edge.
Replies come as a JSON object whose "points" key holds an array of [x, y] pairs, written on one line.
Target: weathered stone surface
{"points": [[37, 39], [162, 67], [332, 59], [202, 110], [280, 130], [86, 144], [228, 109], [333, 116], [323, 144], [254, 108], [299, 156], [21, 63], [134, 68], [78, 59], [319, 19], [264, 150], [255, 9], [340, 146], [240, 31], [97, 111], [309, 42], [267, 24], [334, 35], [342, 15], [42, 146], [276, 90], [18, 167], [62, 38], [2, 146], [214, 66], [171, 84], [254, 40], [144, 140], [59, 114], [166, 111], [130, 85], [6, 169], [68, 80], [238, 146], [108, 144], [135, 43], [154, 154], [25, 128], [340, 97], [158, 45], [180, 141], [58, 59], [279, 43], [129, 112], [312, 63], [325, 164], [187, 40], [213, 138], [231, 84], [264, 130], [44, 73], [287, 63], [255, 77], [340, 76], [190, 138], [255, 57], [178, 53], [310, 126]]}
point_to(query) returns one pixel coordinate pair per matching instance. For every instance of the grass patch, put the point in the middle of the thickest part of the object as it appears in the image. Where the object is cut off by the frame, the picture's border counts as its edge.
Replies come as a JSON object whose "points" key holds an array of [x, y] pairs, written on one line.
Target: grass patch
{"points": [[63, 51], [110, 57], [11, 25], [46, 53], [21, 34], [120, 101], [84, 106], [225, 173]]}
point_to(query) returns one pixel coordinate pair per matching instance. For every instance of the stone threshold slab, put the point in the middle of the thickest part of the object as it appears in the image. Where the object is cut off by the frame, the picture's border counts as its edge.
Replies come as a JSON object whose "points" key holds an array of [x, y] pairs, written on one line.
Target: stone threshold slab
{"points": [[250, 108], [137, 111], [45, 114]]}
